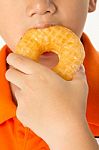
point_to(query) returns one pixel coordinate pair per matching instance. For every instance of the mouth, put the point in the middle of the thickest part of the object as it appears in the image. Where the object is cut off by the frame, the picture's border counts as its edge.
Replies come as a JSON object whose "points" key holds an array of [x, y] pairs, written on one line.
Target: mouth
{"points": [[49, 59], [43, 25], [46, 25], [47, 54], [39, 26]]}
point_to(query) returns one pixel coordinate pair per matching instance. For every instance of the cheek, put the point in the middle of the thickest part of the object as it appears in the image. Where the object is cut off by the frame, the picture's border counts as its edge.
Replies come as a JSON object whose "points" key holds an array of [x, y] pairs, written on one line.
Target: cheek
{"points": [[77, 22], [11, 36], [11, 24], [74, 16]]}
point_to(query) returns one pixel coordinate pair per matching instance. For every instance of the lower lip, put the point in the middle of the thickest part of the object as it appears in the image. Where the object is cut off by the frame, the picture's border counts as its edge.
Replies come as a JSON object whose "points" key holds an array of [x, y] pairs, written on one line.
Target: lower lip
{"points": [[49, 59], [48, 54]]}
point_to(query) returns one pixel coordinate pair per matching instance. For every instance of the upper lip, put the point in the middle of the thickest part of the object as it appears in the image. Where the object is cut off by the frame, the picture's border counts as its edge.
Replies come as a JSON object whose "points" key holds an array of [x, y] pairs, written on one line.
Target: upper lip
{"points": [[43, 25]]}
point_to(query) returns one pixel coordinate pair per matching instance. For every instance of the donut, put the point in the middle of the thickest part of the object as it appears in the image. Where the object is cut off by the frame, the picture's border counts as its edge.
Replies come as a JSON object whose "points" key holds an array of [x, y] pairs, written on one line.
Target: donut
{"points": [[58, 39]]}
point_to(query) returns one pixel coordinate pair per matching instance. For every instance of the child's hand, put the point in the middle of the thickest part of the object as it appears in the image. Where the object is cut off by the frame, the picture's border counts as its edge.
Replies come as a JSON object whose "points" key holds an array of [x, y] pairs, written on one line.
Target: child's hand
{"points": [[46, 102]]}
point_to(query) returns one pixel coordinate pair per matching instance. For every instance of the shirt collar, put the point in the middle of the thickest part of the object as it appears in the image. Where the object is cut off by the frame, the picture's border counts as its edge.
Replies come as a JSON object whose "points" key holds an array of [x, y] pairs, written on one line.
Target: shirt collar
{"points": [[7, 106]]}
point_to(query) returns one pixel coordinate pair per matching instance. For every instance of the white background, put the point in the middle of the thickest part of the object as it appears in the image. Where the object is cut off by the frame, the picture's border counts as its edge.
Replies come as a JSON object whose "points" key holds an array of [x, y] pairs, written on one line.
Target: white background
{"points": [[91, 28]]}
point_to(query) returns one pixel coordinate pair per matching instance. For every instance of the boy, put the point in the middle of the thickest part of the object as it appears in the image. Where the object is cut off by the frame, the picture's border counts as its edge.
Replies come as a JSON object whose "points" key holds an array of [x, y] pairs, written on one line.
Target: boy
{"points": [[50, 111]]}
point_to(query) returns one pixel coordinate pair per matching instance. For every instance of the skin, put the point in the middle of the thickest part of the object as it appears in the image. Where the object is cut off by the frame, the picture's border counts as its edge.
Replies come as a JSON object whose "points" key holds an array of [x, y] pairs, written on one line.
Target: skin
{"points": [[33, 12], [31, 78], [71, 14]]}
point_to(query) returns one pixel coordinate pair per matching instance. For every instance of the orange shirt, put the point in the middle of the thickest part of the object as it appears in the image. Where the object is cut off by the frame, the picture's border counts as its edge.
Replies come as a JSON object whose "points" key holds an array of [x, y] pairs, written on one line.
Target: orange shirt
{"points": [[13, 135]]}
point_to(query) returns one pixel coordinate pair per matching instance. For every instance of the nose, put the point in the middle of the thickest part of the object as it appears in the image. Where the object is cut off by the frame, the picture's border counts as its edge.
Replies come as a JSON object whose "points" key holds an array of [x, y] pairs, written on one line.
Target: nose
{"points": [[40, 7]]}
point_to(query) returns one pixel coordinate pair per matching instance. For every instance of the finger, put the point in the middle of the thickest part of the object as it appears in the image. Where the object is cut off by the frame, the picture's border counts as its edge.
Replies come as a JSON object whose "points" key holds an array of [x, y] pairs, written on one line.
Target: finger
{"points": [[15, 77], [80, 79], [22, 63], [80, 74]]}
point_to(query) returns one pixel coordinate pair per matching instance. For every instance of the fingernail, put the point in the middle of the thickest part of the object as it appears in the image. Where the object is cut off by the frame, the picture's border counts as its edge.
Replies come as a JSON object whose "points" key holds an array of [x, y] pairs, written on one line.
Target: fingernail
{"points": [[82, 68]]}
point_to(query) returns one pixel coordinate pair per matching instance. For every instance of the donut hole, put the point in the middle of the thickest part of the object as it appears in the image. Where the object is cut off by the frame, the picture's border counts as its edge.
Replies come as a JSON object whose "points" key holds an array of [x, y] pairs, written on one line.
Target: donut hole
{"points": [[49, 59]]}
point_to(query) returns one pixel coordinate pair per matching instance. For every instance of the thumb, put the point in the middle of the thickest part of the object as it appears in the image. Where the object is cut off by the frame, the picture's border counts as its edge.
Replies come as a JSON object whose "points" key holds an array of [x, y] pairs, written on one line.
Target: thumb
{"points": [[80, 74], [80, 77]]}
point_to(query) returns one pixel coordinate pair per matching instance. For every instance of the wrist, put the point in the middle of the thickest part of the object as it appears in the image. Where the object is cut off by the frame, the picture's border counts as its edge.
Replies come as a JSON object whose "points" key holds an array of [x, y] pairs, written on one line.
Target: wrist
{"points": [[75, 133]]}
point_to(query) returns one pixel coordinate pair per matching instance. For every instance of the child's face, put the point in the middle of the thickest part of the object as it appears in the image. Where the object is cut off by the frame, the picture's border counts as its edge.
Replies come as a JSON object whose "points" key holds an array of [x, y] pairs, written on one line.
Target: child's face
{"points": [[16, 16]]}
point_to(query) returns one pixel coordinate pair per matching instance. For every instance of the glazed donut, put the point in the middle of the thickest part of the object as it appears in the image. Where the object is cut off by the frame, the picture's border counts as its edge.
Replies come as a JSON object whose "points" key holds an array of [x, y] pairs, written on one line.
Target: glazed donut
{"points": [[58, 39]]}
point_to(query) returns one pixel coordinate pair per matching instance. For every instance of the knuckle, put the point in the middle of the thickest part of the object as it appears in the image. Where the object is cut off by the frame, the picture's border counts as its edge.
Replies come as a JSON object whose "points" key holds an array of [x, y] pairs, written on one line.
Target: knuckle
{"points": [[19, 59], [18, 94], [43, 78]]}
